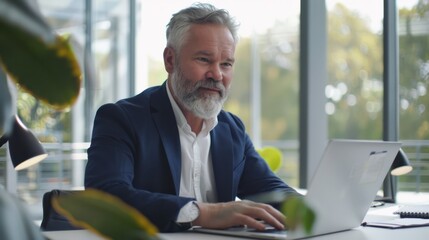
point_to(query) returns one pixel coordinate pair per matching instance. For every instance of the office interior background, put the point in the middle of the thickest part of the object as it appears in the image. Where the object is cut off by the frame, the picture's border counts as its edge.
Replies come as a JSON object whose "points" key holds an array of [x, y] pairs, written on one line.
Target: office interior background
{"points": [[306, 72]]}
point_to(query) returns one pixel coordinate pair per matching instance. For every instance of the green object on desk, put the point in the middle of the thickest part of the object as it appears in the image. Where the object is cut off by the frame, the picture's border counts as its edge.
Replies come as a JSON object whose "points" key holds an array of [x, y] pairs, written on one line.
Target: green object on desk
{"points": [[106, 215], [272, 156]]}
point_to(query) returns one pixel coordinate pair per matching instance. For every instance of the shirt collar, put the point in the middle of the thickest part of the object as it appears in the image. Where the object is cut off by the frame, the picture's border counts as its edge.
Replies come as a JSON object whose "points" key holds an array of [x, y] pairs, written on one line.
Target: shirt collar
{"points": [[208, 124]]}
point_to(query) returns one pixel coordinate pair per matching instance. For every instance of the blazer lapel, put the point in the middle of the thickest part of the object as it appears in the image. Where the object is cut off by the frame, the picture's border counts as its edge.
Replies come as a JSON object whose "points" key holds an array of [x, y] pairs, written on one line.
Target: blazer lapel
{"points": [[221, 145], [165, 121], [222, 153]]}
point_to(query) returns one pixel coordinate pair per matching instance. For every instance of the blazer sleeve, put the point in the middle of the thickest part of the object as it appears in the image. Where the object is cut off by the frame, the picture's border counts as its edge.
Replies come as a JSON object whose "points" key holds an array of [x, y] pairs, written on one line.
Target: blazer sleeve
{"points": [[112, 165], [256, 177]]}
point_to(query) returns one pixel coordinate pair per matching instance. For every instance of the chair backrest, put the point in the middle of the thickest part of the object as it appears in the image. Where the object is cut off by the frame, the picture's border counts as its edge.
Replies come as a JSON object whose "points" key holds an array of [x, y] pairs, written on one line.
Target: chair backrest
{"points": [[52, 220]]}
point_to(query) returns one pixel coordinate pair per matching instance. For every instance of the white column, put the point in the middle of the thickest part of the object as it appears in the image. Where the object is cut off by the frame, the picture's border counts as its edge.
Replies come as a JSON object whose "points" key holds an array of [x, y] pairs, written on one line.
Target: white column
{"points": [[11, 176], [313, 71]]}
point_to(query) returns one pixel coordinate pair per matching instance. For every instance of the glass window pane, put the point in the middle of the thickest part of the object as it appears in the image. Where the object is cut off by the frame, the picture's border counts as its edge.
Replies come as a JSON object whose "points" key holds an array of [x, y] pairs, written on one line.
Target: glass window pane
{"points": [[413, 31], [110, 51], [53, 128], [264, 92], [277, 55], [63, 133], [354, 90]]}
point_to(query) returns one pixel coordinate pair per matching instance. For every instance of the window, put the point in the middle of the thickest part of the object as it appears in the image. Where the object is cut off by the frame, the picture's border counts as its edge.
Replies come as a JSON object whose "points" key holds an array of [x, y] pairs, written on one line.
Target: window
{"points": [[264, 91], [355, 79], [354, 90], [413, 34], [101, 33]]}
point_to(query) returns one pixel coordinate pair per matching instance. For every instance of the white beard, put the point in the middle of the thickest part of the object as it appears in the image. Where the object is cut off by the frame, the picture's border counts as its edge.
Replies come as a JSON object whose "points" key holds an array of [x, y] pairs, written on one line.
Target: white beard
{"points": [[205, 106]]}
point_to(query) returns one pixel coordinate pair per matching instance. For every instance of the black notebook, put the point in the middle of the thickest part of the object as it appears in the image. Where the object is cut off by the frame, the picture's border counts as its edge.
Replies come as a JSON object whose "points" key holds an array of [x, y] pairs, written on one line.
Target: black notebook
{"points": [[413, 211]]}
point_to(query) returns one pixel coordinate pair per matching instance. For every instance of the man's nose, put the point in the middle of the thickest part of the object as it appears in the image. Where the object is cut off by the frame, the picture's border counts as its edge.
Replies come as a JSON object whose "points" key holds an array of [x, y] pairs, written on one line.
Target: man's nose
{"points": [[215, 73]]}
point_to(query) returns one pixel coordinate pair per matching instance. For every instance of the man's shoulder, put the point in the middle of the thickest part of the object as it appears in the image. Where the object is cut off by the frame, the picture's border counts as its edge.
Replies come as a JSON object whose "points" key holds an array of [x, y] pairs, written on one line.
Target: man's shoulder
{"points": [[230, 119], [131, 105], [141, 97]]}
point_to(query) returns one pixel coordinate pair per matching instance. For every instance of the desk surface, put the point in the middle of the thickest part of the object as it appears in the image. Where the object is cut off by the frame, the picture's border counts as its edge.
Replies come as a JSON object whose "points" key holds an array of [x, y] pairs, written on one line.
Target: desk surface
{"points": [[359, 233]]}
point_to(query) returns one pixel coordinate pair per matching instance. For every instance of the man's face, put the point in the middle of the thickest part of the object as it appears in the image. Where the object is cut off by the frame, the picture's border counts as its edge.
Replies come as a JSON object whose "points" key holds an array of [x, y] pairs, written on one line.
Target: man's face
{"points": [[202, 71]]}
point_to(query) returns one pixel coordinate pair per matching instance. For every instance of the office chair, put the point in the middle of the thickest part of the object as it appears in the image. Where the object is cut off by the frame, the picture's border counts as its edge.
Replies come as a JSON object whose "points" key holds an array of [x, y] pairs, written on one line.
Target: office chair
{"points": [[52, 220]]}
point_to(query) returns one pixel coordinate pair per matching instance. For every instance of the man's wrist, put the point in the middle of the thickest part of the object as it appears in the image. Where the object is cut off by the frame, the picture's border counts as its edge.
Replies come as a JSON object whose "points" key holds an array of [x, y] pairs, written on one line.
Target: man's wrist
{"points": [[188, 214], [194, 221]]}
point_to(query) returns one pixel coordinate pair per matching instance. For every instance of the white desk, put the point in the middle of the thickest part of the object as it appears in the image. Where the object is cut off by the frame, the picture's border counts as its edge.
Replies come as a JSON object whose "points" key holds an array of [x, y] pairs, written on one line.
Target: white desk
{"points": [[359, 233]]}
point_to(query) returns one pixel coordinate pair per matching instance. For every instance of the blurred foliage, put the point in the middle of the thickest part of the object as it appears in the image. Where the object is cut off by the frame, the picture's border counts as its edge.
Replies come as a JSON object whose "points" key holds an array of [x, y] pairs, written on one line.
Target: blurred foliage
{"points": [[298, 214], [414, 73], [355, 72], [49, 124], [355, 59], [94, 210], [46, 69], [41, 64], [39, 61]]}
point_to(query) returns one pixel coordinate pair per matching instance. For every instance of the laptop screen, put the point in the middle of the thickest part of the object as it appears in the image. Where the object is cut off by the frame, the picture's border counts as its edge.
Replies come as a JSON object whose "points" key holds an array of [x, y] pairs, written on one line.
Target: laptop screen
{"points": [[342, 189]]}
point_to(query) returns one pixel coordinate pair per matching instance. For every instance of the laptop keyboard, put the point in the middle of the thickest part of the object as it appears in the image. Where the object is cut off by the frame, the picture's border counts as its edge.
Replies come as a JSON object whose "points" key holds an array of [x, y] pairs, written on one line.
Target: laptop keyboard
{"points": [[268, 229]]}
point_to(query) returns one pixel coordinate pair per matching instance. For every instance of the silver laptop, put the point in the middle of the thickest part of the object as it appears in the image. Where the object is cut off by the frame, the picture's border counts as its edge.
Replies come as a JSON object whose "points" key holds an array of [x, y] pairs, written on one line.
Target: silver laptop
{"points": [[340, 192]]}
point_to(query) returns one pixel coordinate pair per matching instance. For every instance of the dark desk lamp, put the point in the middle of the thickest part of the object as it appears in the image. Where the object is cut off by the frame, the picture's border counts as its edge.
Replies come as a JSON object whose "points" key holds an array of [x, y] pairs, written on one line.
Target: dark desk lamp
{"points": [[401, 164], [24, 148]]}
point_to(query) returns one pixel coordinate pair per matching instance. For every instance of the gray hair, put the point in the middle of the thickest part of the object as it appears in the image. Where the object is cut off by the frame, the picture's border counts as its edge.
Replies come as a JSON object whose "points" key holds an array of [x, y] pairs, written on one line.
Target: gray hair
{"points": [[199, 13]]}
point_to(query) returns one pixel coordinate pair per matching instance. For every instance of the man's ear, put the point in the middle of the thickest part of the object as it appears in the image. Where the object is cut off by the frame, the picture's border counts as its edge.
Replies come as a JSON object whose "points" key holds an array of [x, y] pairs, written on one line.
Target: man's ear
{"points": [[169, 58]]}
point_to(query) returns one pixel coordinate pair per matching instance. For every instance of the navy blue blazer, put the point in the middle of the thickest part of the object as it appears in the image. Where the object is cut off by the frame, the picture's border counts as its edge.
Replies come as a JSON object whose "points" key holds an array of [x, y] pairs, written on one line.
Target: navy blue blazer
{"points": [[135, 155]]}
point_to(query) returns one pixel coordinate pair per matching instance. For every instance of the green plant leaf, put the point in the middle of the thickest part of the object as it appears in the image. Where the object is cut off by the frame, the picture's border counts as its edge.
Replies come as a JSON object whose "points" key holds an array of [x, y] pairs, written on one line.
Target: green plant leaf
{"points": [[298, 213], [26, 17], [42, 64], [105, 215]]}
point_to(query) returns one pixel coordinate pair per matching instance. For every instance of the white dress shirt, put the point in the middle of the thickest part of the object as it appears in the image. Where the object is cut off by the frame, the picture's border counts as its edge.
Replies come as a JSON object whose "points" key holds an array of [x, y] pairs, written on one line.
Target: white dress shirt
{"points": [[196, 178]]}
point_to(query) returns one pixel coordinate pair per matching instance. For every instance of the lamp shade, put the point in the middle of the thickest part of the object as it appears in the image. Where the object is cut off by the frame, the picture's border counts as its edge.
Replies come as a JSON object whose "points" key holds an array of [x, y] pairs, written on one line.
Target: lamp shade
{"points": [[401, 164], [24, 148]]}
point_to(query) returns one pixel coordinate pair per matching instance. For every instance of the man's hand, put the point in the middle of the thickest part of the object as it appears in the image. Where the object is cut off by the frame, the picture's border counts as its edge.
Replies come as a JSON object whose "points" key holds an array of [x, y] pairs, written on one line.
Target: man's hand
{"points": [[229, 214]]}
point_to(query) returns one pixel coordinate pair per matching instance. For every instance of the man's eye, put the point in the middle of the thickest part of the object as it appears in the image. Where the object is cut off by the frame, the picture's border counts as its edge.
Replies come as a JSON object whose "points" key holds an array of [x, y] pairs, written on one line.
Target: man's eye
{"points": [[227, 64], [203, 59]]}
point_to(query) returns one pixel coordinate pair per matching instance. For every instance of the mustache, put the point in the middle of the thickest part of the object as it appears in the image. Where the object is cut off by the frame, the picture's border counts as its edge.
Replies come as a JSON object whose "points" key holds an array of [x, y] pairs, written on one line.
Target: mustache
{"points": [[211, 83]]}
